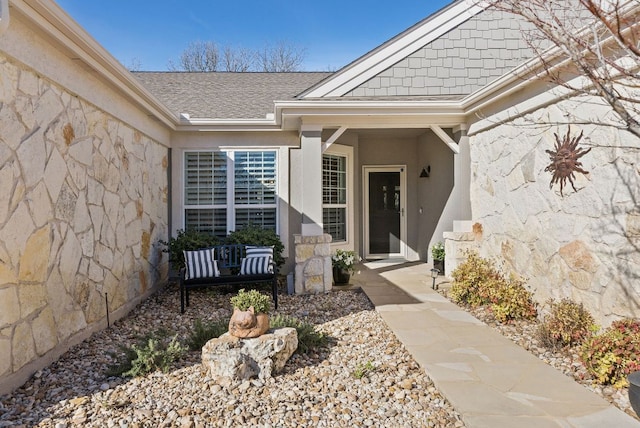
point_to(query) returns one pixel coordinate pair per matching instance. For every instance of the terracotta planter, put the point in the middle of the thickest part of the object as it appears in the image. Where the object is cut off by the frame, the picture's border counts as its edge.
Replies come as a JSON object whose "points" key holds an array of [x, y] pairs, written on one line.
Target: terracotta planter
{"points": [[634, 391], [341, 276], [248, 324]]}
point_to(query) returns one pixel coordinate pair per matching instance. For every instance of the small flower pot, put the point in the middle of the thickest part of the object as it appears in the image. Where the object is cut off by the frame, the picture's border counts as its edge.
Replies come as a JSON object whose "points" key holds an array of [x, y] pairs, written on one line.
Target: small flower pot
{"points": [[341, 276], [634, 391], [248, 324], [439, 264]]}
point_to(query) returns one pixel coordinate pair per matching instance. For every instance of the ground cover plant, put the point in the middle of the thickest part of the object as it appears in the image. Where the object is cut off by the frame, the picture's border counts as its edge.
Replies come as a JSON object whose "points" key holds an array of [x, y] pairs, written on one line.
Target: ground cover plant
{"points": [[613, 354], [566, 337], [567, 323], [478, 281]]}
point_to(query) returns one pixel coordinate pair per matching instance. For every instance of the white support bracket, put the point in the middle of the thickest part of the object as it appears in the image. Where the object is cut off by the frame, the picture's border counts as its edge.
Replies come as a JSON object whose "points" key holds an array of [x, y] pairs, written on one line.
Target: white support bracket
{"points": [[333, 138], [4, 15], [445, 138]]}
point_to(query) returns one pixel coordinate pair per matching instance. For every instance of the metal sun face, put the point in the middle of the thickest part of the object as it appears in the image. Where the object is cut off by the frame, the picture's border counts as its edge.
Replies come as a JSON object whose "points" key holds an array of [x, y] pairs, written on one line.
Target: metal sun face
{"points": [[565, 160]]}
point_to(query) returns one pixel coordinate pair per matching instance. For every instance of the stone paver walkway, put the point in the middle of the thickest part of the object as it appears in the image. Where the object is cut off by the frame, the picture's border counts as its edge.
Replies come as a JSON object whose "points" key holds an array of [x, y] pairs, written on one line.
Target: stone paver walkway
{"points": [[489, 379]]}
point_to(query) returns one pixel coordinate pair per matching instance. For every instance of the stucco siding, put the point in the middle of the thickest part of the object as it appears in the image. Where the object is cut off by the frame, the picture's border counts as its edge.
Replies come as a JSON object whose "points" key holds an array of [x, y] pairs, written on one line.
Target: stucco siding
{"points": [[460, 62]]}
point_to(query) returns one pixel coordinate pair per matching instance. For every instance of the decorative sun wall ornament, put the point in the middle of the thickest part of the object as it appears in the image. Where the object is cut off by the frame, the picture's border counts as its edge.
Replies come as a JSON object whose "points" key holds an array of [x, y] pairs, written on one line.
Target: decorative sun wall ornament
{"points": [[564, 160]]}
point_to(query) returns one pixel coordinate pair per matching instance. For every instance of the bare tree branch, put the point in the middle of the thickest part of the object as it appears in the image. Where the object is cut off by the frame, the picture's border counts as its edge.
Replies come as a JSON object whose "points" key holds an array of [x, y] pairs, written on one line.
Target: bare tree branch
{"points": [[207, 57], [595, 39], [281, 57]]}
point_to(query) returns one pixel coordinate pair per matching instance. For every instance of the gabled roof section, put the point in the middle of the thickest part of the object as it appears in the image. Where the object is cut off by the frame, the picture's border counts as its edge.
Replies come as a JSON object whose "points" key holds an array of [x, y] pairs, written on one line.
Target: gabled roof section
{"points": [[225, 95], [393, 51]]}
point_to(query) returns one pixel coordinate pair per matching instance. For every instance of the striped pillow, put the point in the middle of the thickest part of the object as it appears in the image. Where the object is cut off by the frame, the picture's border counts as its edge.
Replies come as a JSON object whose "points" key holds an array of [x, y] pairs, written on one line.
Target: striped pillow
{"points": [[200, 264], [256, 265], [254, 251]]}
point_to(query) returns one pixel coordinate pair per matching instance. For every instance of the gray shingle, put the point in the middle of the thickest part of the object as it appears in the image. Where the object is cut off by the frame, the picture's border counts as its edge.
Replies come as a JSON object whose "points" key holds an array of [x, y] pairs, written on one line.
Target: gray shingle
{"points": [[224, 95]]}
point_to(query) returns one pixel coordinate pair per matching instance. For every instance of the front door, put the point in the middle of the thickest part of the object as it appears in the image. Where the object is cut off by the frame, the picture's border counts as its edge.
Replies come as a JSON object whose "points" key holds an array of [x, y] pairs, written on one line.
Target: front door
{"points": [[384, 212]]}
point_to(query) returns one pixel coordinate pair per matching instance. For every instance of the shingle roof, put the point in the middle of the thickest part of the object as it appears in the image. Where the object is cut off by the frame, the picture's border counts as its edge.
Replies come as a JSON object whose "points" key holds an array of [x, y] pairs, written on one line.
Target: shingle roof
{"points": [[223, 95]]}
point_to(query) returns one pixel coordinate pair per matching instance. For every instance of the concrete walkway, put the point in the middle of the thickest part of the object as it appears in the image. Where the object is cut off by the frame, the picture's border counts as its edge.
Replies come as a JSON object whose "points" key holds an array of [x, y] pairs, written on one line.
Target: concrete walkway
{"points": [[490, 380]]}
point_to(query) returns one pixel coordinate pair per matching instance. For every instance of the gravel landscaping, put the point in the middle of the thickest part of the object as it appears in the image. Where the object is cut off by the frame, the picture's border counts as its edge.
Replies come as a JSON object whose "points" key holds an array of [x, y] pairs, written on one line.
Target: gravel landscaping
{"points": [[317, 389]]}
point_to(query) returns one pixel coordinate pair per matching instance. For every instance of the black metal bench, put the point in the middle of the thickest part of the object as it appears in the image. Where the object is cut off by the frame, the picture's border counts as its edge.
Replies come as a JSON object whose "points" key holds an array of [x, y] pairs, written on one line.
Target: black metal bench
{"points": [[229, 259]]}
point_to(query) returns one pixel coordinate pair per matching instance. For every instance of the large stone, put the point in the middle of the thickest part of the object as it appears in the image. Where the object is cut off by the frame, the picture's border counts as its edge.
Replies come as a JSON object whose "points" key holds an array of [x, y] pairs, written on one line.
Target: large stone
{"points": [[44, 332], [5, 354], [35, 259], [32, 157], [230, 357], [55, 174], [10, 312], [33, 297], [23, 348], [578, 256], [6, 177]]}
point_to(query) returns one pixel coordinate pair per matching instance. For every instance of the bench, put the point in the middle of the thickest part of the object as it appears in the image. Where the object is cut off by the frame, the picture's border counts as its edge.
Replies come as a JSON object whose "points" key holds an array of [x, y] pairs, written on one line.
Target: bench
{"points": [[228, 269]]}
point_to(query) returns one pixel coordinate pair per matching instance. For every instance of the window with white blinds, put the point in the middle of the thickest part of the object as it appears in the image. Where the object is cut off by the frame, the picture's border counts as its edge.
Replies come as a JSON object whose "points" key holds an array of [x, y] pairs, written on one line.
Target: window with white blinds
{"points": [[255, 189], [334, 196], [225, 191]]}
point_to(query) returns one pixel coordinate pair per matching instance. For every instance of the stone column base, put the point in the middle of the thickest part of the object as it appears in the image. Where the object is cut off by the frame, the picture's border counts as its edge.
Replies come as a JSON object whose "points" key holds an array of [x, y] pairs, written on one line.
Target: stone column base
{"points": [[313, 264], [458, 243]]}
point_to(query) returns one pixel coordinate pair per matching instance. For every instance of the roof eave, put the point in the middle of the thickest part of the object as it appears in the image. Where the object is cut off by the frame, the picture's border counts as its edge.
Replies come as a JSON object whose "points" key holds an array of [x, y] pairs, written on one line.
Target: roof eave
{"points": [[388, 54], [61, 29]]}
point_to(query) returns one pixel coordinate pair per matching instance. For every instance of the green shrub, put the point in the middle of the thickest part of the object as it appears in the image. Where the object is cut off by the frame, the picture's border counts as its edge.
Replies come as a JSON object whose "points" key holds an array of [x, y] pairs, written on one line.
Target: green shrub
{"points": [[308, 337], [512, 301], [437, 251], [245, 299], [363, 369], [155, 352], [187, 241], [204, 332], [568, 323], [474, 281], [255, 235], [478, 282], [613, 354]]}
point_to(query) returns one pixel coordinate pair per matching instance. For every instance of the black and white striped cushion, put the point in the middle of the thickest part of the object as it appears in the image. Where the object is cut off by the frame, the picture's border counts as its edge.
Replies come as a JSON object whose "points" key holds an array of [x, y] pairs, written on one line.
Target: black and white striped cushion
{"points": [[256, 266], [200, 264], [254, 251]]}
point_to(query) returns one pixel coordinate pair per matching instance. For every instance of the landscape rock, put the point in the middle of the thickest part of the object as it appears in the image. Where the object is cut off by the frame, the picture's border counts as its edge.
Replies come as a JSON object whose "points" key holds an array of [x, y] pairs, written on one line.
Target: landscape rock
{"points": [[240, 359]]}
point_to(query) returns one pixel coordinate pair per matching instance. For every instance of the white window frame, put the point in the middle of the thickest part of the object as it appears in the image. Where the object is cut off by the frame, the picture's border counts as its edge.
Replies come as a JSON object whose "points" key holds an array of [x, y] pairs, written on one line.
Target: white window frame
{"points": [[231, 205], [347, 152]]}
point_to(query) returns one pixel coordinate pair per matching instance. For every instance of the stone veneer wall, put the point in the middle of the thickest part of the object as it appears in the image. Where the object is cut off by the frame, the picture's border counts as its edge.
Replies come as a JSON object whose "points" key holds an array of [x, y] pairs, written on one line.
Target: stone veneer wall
{"points": [[584, 245], [313, 272], [83, 203]]}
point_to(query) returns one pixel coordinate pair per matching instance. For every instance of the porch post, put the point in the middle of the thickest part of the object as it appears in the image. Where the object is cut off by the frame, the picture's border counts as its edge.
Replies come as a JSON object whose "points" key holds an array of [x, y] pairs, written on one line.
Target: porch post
{"points": [[313, 273], [311, 145]]}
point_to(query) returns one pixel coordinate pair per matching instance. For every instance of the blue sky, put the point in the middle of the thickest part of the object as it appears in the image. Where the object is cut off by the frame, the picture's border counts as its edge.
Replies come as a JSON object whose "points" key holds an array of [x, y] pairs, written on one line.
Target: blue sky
{"points": [[332, 32]]}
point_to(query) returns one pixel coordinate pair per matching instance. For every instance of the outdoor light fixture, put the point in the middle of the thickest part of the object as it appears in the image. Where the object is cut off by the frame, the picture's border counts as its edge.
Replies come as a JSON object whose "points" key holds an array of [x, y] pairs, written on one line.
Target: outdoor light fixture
{"points": [[434, 275], [425, 171]]}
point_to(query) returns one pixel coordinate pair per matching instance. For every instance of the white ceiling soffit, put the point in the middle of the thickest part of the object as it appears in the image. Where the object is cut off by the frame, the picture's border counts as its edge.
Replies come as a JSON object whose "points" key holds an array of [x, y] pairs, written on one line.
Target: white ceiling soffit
{"points": [[395, 50]]}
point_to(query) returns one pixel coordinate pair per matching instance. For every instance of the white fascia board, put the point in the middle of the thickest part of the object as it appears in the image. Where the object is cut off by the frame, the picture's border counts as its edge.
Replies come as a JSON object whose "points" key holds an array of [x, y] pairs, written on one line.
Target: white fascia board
{"points": [[202, 124], [355, 75], [365, 107], [63, 30]]}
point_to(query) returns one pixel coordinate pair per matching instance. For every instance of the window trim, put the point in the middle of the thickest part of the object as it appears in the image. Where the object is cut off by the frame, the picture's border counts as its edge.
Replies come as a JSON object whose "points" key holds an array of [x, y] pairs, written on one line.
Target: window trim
{"points": [[230, 205], [347, 152]]}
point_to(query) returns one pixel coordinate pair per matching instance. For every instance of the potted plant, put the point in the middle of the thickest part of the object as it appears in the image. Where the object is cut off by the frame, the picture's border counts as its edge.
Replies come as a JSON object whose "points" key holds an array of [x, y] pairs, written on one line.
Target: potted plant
{"points": [[343, 261], [437, 253], [250, 314], [634, 391]]}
